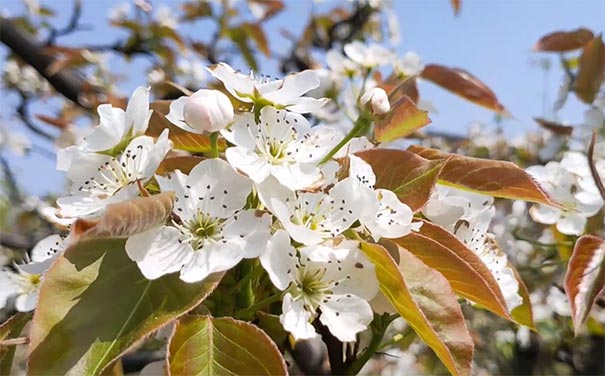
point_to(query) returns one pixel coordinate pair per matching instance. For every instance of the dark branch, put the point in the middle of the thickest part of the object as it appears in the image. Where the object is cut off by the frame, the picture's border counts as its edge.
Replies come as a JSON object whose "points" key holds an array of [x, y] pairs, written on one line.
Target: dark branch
{"points": [[23, 112], [67, 82], [71, 26]]}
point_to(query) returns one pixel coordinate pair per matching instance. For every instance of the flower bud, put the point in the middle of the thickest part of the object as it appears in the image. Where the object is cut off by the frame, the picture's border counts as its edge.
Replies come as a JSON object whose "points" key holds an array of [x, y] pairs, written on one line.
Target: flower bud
{"points": [[377, 100], [208, 111]]}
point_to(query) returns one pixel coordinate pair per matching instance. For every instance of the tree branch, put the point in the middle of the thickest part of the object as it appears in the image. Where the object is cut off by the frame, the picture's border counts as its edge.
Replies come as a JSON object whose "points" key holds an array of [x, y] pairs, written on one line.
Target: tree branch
{"points": [[67, 82]]}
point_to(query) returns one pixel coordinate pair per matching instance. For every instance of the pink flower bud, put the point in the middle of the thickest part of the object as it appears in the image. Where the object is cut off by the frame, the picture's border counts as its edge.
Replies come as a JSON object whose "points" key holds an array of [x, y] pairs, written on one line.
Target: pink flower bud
{"points": [[208, 111]]}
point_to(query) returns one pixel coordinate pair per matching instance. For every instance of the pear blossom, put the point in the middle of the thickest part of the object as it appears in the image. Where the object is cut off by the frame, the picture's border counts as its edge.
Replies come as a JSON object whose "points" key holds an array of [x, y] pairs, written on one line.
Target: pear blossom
{"points": [[116, 128], [311, 217], [100, 180], [387, 217], [203, 111], [377, 100], [562, 185], [212, 233], [368, 56], [281, 144], [282, 94], [336, 279], [409, 65], [467, 215]]}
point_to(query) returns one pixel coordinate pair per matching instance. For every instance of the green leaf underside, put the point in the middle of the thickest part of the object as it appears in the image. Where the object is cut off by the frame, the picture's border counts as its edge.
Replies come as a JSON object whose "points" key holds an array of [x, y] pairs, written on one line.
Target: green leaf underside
{"points": [[95, 304], [489, 177], [465, 271], [423, 297], [11, 328], [203, 345], [410, 177]]}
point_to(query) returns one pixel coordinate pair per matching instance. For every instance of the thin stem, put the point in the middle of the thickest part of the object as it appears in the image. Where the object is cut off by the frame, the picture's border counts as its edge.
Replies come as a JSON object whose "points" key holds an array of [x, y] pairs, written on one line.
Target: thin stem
{"points": [[593, 168], [518, 236], [257, 306], [377, 335], [214, 144], [360, 128]]}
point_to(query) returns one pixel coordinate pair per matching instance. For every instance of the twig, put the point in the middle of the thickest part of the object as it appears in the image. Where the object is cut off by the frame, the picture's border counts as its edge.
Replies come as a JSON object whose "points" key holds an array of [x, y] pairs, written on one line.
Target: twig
{"points": [[23, 113], [593, 168], [70, 27]]}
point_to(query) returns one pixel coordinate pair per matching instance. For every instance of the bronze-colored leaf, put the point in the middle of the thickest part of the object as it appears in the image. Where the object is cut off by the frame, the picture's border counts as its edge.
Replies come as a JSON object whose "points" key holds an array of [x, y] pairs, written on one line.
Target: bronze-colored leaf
{"points": [[585, 277], [563, 41], [456, 4], [126, 218], [554, 127], [11, 329], [256, 32], [489, 177], [403, 119], [464, 84], [591, 70], [409, 176], [185, 164], [55, 122]]}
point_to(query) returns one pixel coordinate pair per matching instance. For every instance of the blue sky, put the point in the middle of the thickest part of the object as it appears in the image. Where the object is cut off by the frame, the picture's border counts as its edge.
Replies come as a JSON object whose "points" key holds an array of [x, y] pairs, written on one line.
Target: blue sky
{"points": [[489, 38]]}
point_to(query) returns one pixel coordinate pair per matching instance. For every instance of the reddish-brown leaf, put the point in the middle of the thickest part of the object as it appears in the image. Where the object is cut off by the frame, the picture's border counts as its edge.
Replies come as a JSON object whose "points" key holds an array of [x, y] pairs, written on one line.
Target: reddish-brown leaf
{"points": [[585, 277], [494, 178], [562, 41], [55, 122], [403, 119], [181, 139], [456, 4], [466, 272], [464, 84], [554, 127], [397, 87], [409, 176], [591, 70], [256, 32], [424, 298], [185, 164], [126, 218], [522, 314]]}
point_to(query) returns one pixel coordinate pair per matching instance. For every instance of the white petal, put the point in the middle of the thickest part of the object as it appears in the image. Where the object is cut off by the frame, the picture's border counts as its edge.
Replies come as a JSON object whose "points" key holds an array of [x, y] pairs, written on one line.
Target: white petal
{"points": [[249, 163], [212, 258], [307, 105], [176, 116], [239, 85], [138, 112], [293, 87], [345, 316], [545, 214], [296, 176], [184, 204], [158, 251], [243, 132], [295, 319], [111, 130], [571, 223], [393, 218], [27, 302], [47, 248], [220, 190], [279, 260], [361, 171], [250, 231]]}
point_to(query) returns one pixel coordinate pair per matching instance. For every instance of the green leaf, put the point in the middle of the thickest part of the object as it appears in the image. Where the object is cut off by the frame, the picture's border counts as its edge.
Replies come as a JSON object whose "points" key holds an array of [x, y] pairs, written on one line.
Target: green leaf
{"points": [[181, 139], [424, 298], [95, 304], [10, 329], [465, 271], [403, 119], [411, 177], [489, 177], [585, 277], [203, 345]]}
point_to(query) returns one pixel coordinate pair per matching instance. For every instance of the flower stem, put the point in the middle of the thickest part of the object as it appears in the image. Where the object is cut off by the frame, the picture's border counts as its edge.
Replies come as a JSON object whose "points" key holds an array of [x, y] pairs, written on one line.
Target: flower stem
{"points": [[246, 312], [214, 144], [359, 129], [379, 327]]}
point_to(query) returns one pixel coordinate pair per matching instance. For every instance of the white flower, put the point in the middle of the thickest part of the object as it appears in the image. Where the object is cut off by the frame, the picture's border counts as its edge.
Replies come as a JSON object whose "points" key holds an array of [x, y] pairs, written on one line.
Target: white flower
{"points": [[116, 128], [339, 280], [49, 248], [282, 94], [467, 215], [368, 56], [191, 72], [564, 188], [119, 12], [203, 111], [310, 218], [387, 216], [24, 282], [166, 17], [377, 100], [340, 64], [409, 65], [100, 180], [213, 232], [282, 144]]}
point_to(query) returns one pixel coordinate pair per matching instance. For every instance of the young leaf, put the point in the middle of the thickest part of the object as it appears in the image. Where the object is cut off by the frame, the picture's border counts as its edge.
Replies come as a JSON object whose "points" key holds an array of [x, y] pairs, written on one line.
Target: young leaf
{"points": [[563, 41], [181, 139], [554, 127], [424, 298], [591, 70], [126, 218], [11, 328], [222, 346], [463, 84], [411, 177], [185, 164], [403, 119], [522, 314], [465, 271], [489, 177], [585, 277], [95, 304]]}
